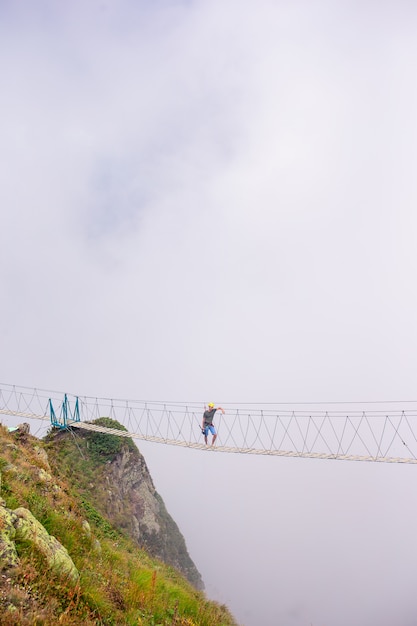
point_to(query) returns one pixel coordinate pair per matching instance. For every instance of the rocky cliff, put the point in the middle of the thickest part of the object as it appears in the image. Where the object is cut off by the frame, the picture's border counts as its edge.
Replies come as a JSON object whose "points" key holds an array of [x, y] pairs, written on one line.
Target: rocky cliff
{"points": [[115, 475]]}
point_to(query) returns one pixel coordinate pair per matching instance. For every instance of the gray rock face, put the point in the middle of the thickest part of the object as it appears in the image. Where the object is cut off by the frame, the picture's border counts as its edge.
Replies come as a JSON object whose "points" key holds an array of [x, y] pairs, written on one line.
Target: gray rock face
{"points": [[133, 504]]}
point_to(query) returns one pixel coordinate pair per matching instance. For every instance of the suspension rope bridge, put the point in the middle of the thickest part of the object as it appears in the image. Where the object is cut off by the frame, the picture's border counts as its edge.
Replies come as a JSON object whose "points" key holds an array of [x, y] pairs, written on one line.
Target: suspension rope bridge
{"points": [[374, 431]]}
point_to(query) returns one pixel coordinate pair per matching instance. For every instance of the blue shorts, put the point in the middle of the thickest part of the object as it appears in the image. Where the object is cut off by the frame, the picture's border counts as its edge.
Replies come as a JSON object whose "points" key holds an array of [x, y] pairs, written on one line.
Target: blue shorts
{"points": [[210, 428]]}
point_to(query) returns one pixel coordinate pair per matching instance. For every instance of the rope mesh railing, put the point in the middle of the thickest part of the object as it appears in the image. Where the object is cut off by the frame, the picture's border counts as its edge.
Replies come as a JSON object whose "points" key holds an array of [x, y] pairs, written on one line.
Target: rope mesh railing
{"points": [[381, 432]]}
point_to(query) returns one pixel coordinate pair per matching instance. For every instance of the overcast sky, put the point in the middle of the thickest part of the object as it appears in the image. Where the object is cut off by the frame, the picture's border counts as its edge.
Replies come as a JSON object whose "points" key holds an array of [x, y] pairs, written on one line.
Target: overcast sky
{"points": [[216, 201]]}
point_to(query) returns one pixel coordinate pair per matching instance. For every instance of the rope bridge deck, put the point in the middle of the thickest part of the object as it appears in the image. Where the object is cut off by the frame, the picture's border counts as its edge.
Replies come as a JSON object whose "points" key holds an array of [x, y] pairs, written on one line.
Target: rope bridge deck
{"points": [[378, 432]]}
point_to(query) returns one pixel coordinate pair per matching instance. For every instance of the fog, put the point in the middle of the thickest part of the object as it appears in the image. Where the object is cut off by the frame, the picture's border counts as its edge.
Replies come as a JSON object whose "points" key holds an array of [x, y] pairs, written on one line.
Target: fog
{"points": [[212, 201]]}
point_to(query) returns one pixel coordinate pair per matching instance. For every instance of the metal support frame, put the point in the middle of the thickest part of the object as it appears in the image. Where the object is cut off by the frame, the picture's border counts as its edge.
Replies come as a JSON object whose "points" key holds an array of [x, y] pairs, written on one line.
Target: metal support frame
{"points": [[66, 415]]}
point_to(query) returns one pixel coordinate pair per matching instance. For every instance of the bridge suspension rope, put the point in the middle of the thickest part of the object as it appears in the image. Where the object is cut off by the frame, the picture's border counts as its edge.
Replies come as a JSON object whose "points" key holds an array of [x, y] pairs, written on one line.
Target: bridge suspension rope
{"points": [[378, 432]]}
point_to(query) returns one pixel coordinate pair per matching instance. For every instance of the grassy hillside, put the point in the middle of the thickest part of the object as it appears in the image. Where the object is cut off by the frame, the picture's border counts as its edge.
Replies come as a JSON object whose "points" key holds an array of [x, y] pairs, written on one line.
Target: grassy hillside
{"points": [[118, 583]]}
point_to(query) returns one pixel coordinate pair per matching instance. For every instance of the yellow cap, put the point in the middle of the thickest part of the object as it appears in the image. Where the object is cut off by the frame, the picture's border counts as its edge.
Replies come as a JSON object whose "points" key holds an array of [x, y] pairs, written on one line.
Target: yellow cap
{"points": [[211, 405]]}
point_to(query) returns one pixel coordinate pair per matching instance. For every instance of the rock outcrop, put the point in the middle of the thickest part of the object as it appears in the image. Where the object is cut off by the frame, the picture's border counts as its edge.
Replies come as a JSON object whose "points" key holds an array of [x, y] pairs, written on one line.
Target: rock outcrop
{"points": [[21, 525], [8, 553], [132, 503]]}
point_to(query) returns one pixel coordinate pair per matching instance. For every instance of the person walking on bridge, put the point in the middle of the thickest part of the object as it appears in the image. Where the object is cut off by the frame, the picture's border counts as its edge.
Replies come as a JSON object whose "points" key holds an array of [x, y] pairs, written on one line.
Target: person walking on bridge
{"points": [[207, 424]]}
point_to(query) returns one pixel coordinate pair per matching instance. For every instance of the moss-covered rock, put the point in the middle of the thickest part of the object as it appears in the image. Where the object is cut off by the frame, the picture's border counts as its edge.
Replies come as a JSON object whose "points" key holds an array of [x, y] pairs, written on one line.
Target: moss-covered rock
{"points": [[8, 553], [28, 529], [21, 525], [42, 457], [44, 477]]}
